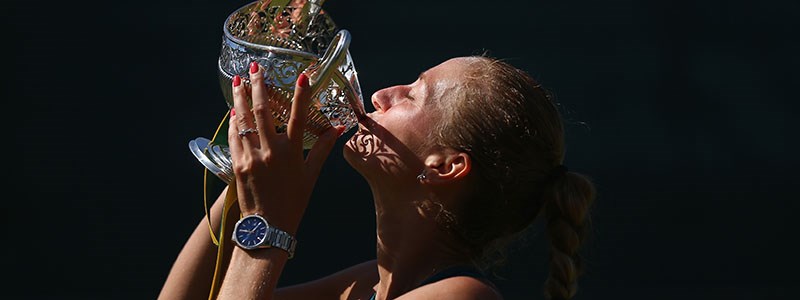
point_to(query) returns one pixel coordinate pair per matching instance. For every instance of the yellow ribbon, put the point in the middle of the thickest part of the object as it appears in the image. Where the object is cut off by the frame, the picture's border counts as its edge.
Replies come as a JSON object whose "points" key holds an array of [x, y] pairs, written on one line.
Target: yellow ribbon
{"points": [[230, 200]]}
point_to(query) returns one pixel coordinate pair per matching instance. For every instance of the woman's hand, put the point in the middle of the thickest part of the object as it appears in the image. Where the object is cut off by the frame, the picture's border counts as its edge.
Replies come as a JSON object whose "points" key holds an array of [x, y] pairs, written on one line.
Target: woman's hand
{"points": [[273, 178]]}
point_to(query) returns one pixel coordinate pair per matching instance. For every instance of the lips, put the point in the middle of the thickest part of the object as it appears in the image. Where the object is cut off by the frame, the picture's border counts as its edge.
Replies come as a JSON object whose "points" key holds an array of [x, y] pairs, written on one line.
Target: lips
{"points": [[363, 125], [365, 119]]}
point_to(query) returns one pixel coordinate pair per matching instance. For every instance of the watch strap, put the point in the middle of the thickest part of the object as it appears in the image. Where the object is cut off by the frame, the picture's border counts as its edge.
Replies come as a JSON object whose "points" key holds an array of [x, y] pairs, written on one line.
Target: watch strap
{"points": [[280, 239]]}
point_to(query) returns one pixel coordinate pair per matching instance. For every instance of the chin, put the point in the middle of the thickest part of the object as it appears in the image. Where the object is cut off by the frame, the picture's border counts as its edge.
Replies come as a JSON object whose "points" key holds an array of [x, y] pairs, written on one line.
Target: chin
{"points": [[357, 149], [366, 153], [369, 154]]}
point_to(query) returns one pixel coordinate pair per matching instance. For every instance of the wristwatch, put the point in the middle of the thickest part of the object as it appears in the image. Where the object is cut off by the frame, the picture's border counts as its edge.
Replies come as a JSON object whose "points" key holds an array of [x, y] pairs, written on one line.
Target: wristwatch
{"points": [[253, 232]]}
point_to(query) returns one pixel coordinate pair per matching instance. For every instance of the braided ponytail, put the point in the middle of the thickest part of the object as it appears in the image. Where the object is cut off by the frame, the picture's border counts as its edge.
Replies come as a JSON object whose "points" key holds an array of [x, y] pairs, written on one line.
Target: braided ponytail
{"points": [[567, 219]]}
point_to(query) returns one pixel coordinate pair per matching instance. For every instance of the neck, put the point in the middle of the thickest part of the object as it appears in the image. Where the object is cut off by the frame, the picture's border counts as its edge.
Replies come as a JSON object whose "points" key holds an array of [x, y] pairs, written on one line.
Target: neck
{"points": [[411, 246]]}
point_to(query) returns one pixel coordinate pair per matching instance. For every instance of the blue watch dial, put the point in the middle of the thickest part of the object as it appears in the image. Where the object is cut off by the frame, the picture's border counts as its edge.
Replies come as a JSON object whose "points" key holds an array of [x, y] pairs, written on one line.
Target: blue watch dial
{"points": [[251, 231]]}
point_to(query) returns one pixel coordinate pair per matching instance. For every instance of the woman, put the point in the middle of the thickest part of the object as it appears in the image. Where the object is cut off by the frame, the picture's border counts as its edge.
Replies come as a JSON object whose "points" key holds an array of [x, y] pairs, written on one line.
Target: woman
{"points": [[459, 162]]}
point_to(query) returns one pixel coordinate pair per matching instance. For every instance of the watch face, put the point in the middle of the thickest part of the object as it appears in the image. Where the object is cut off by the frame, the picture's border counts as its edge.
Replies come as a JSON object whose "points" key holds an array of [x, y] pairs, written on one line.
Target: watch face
{"points": [[251, 231]]}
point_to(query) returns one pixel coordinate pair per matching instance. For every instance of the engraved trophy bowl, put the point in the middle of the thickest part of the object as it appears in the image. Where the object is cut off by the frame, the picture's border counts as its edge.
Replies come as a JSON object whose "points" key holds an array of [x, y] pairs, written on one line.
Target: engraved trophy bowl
{"points": [[286, 37]]}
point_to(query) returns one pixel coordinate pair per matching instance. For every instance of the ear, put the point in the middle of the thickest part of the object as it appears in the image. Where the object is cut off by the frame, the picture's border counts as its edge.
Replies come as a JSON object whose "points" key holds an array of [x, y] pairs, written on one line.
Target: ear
{"points": [[446, 166]]}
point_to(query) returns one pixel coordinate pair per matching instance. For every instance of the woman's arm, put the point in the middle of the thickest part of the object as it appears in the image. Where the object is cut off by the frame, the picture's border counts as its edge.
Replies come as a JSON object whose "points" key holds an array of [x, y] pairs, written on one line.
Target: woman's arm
{"points": [[253, 274], [192, 272], [273, 178]]}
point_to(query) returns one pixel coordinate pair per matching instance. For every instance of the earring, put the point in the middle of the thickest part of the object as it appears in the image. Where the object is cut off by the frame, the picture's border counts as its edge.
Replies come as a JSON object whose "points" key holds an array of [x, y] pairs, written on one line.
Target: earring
{"points": [[422, 175]]}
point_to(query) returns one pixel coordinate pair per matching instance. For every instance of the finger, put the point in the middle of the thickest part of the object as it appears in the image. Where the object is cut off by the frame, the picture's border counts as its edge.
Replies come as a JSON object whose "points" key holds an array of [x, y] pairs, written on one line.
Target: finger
{"points": [[322, 148], [261, 110], [238, 161], [234, 141], [299, 114], [243, 118]]}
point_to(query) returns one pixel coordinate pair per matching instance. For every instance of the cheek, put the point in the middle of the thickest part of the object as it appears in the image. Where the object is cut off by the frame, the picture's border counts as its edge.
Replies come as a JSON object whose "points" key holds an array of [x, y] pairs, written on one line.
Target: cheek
{"points": [[403, 134], [412, 132]]}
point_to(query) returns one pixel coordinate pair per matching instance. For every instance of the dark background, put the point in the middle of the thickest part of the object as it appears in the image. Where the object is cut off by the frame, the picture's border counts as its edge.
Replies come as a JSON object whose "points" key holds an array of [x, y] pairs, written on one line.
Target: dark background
{"points": [[682, 111]]}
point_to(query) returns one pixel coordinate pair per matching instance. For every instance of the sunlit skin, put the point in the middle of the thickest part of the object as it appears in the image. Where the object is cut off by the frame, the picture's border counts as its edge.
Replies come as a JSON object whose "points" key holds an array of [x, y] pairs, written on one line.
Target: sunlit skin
{"points": [[392, 146], [403, 118]]}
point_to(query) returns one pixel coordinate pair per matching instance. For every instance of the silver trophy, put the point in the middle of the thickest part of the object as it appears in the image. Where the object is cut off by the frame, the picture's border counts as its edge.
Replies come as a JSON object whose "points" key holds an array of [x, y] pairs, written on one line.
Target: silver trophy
{"points": [[287, 37]]}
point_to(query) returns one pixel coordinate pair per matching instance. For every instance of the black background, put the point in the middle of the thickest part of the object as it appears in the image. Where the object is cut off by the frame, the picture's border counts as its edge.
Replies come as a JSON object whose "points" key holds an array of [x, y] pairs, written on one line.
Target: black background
{"points": [[682, 111]]}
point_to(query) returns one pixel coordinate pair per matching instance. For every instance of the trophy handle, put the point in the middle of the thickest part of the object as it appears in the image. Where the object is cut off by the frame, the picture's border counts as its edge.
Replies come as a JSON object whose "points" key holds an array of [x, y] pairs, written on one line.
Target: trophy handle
{"points": [[319, 74]]}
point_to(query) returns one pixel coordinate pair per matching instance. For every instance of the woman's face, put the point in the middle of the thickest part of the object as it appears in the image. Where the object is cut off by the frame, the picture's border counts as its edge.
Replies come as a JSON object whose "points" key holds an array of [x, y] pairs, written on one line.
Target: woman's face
{"points": [[395, 139]]}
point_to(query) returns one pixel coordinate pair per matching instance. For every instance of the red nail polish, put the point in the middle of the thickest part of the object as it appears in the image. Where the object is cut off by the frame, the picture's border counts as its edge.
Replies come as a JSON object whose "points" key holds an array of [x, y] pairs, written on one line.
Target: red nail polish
{"points": [[340, 130], [302, 80], [253, 67], [236, 80], [233, 112]]}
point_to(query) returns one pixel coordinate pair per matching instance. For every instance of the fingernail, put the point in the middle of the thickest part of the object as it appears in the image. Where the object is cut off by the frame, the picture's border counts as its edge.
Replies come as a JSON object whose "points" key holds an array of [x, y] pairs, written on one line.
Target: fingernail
{"points": [[237, 80], [233, 112], [253, 67], [302, 80], [340, 130]]}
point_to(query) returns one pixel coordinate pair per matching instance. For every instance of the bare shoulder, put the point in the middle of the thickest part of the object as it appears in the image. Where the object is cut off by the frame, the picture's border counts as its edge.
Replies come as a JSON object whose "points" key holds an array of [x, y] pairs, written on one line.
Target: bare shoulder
{"points": [[459, 287], [335, 286]]}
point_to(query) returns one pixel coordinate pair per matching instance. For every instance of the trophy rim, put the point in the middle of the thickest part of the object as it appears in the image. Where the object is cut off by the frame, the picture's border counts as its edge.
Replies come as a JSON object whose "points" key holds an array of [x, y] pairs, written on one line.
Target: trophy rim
{"points": [[268, 48]]}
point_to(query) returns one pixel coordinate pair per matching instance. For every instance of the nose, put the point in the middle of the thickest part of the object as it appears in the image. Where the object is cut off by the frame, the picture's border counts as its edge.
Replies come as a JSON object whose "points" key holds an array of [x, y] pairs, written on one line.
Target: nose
{"points": [[383, 99]]}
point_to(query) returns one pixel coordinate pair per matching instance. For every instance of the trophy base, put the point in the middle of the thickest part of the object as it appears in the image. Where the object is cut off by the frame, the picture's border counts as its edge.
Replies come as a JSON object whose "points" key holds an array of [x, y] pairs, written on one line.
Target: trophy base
{"points": [[215, 158]]}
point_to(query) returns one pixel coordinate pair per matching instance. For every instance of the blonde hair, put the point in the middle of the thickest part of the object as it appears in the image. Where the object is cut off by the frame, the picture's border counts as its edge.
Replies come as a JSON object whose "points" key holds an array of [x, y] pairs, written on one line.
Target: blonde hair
{"points": [[512, 130]]}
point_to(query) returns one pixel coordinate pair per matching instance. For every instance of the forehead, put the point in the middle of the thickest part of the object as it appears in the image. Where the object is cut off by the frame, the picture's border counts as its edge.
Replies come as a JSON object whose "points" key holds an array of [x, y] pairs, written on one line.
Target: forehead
{"points": [[451, 68], [443, 78]]}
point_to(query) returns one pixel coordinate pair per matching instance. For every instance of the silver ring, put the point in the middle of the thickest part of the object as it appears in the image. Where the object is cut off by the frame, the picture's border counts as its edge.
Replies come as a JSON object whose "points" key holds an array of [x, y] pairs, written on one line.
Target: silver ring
{"points": [[245, 131]]}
